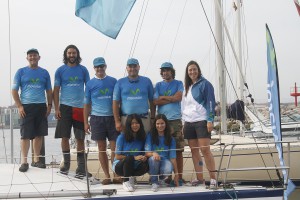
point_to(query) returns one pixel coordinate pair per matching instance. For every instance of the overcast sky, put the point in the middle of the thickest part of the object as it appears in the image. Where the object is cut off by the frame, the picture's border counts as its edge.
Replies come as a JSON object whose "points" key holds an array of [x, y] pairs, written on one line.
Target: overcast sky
{"points": [[50, 26]]}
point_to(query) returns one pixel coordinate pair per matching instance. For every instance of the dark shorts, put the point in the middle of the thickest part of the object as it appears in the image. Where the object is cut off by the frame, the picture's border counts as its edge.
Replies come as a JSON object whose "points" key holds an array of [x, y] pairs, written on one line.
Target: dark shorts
{"points": [[35, 123], [196, 130], [176, 127], [67, 121], [103, 127]]}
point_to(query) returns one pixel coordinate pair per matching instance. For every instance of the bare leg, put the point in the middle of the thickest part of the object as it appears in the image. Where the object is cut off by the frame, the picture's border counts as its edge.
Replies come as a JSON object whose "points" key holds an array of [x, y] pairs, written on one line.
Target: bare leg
{"points": [[204, 143], [103, 157], [37, 144], [65, 146], [197, 161], [80, 145], [179, 160], [25, 143]]}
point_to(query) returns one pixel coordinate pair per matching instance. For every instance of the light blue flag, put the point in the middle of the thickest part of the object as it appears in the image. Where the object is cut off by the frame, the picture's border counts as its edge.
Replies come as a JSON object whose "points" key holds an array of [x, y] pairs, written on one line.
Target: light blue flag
{"points": [[274, 107], [107, 16]]}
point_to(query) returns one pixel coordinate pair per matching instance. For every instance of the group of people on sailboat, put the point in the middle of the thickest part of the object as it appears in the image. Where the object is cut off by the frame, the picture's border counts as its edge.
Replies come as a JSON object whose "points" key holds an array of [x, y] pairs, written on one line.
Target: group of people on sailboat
{"points": [[140, 141]]}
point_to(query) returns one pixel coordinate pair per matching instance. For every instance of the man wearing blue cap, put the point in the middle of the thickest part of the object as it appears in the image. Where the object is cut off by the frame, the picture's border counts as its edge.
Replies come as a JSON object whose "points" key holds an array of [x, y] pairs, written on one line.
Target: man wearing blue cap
{"points": [[33, 106], [167, 98], [68, 95], [98, 104], [133, 95]]}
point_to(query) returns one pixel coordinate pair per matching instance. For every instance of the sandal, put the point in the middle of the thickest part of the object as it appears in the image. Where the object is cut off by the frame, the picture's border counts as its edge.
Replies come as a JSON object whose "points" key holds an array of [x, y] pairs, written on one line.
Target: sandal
{"points": [[117, 180], [106, 181]]}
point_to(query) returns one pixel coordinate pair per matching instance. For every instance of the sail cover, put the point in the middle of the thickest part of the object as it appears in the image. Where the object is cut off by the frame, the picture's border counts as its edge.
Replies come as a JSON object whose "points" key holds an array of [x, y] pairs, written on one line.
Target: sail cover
{"points": [[274, 106], [106, 16]]}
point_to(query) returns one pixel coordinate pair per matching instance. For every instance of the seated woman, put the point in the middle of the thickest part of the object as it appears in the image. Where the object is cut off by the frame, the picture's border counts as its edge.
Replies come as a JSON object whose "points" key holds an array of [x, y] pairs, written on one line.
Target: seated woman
{"points": [[160, 148], [130, 160]]}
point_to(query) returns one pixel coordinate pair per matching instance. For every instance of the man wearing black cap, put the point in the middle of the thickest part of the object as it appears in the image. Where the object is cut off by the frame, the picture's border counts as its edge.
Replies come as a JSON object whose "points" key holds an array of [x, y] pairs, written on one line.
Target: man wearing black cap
{"points": [[167, 97], [33, 106], [98, 104]]}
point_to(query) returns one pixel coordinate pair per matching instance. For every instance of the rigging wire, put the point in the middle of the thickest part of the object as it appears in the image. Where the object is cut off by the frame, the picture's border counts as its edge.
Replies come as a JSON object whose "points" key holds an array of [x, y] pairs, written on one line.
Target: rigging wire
{"points": [[219, 50], [138, 28], [177, 30], [159, 34], [137, 32]]}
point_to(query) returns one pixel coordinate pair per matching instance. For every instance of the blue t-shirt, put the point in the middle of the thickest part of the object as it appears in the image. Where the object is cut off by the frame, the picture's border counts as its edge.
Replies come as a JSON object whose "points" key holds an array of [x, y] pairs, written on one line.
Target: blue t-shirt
{"points": [[165, 152], [134, 148], [134, 95], [163, 88], [71, 81], [99, 93], [33, 83]]}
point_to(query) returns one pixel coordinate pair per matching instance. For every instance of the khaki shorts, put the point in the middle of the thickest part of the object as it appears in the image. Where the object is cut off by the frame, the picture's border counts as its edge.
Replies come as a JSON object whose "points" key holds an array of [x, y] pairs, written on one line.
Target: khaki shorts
{"points": [[146, 123], [176, 129]]}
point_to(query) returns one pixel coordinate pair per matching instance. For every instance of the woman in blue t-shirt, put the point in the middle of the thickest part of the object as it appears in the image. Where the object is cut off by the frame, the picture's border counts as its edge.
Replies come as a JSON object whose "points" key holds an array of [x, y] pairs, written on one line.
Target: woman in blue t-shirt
{"points": [[130, 160], [160, 148]]}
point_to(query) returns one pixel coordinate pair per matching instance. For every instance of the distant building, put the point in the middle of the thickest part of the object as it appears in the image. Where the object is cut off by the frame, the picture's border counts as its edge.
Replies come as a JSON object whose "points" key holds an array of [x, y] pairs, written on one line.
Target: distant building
{"points": [[5, 117]]}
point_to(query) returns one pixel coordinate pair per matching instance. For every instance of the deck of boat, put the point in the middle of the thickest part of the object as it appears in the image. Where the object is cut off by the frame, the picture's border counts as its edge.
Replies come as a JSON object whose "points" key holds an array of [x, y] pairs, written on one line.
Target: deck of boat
{"points": [[49, 184]]}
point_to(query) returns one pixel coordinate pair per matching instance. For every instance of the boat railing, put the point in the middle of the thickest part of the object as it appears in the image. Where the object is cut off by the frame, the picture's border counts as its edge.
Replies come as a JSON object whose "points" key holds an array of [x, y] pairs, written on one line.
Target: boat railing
{"points": [[231, 148]]}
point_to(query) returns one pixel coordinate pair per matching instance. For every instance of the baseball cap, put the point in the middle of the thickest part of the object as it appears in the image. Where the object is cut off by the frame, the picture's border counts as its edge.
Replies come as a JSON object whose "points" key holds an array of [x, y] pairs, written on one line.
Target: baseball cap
{"points": [[166, 65], [32, 50], [132, 61], [99, 61]]}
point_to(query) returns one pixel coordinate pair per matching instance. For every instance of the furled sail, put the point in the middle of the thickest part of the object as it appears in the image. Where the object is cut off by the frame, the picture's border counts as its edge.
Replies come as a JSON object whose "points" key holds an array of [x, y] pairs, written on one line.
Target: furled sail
{"points": [[274, 106], [105, 16]]}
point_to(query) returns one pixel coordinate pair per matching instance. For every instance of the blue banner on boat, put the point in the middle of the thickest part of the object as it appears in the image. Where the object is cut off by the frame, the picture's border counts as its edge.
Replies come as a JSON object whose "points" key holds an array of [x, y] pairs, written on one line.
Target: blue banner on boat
{"points": [[105, 16], [274, 107]]}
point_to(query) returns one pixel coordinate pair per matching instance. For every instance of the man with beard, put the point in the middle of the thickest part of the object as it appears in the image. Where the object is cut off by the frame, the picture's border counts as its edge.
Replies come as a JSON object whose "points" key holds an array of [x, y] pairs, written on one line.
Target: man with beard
{"points": [[68, 96], [133, 95], [33, 110], [167, 97]]}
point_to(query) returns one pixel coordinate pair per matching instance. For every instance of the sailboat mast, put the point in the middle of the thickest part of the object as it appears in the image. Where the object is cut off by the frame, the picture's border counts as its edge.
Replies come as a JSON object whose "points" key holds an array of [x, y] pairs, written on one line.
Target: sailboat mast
{"points": [[239, 56], [220, 64]]}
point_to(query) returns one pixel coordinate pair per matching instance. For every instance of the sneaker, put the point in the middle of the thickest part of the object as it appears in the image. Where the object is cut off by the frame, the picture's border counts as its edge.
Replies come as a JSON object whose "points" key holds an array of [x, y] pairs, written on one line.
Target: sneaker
{"points": [[197, 182], [132, 181], [38, 165], [213, 184], [24, 167], [65, 168], [163, 183], [154, 187], [127, 186], [82, 172]]}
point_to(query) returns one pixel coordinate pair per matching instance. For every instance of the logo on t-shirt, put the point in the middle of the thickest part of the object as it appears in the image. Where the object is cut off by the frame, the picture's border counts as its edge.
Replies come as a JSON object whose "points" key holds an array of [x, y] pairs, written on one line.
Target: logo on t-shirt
{"points": [[34, 83], [132, 151], [157, 149], [167, 93], [104, 91], [134, 92], [73, 81]]}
